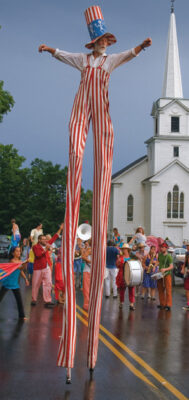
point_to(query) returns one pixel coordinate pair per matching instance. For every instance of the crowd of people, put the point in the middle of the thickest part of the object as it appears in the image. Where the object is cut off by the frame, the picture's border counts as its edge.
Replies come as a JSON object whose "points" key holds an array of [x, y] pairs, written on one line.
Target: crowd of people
{"points": [[38, 255], [157, 264]]}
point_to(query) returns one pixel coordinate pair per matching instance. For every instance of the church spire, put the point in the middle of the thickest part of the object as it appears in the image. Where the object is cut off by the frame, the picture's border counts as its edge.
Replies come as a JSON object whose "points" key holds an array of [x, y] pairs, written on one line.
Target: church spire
{"points": [[172, 86]]}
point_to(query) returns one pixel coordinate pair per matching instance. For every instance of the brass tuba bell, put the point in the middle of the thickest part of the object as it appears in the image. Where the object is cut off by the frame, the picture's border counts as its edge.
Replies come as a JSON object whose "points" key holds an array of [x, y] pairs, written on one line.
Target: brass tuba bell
{"points": [[84, 232]]}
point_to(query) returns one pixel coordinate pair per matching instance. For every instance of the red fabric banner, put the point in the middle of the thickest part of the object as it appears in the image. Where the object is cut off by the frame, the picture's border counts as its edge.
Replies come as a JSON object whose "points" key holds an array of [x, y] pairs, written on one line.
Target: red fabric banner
{"points": [[7, 268]]}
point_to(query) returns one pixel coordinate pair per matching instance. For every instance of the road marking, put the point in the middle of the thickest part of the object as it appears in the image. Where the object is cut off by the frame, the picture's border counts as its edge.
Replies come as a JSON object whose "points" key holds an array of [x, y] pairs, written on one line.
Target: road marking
{"points": [[128, 364], [152, 371]]}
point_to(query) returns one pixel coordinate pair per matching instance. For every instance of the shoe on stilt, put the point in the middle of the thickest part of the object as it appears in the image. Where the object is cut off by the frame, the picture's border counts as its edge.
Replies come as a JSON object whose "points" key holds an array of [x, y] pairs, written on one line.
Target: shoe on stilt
{"points": [[91, 370]]}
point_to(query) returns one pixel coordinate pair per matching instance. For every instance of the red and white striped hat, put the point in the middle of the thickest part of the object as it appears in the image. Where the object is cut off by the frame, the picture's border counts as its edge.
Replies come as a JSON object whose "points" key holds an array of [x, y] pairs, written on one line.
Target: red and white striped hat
{"points": [[96, 26]]}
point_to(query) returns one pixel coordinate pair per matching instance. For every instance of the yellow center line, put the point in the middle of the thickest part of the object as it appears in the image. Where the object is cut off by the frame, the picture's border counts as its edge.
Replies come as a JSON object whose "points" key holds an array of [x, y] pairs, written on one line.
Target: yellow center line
{"points": [[152, 371], [120, 356]]}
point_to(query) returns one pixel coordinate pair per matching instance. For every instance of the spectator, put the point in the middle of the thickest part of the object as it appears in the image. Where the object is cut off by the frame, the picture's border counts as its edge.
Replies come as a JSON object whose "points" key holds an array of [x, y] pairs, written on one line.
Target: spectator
{"points": [[77, 263], [86, 256], [25, 249], [35, 233], [112, 254], [116, 237], [139, 238], [16, 236]]}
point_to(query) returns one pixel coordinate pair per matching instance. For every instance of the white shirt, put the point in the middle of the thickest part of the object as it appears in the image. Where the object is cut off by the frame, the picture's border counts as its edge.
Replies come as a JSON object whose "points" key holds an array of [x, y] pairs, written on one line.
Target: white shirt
{"points": [[35, 234], [79, 60]]}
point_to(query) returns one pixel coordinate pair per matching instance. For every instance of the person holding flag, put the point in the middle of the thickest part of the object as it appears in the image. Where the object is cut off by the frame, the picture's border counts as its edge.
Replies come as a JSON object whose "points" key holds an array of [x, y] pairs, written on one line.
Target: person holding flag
{"points": [[9, 275]]}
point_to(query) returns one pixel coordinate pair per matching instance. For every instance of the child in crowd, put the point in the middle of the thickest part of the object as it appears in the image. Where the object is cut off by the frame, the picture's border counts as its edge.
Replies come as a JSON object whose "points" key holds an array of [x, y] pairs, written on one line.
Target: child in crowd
{"points": [[11, 282], [116, 237]]}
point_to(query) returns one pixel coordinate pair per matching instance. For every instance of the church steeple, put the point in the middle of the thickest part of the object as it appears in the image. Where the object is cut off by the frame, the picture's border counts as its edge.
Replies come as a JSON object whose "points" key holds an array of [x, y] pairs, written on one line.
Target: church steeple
{"points": [[172, 86]]}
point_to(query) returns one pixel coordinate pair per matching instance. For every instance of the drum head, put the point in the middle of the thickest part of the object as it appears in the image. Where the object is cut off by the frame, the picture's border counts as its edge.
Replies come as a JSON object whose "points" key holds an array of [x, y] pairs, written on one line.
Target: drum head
{"points": [[133, 273]]}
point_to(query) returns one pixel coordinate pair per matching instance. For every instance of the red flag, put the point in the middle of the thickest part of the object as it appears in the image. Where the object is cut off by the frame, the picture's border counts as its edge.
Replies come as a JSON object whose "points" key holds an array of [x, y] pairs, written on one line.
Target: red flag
{"points": [[7, 268]]}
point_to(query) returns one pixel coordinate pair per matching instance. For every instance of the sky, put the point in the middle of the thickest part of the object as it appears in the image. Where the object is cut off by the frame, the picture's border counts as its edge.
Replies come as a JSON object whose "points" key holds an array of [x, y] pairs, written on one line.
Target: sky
{"points": [[44, 88]]}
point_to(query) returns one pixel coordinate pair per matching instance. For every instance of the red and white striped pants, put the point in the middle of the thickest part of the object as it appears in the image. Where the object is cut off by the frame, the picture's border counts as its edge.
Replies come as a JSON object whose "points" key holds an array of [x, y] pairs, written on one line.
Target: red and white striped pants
{"points": [[91, 102]]}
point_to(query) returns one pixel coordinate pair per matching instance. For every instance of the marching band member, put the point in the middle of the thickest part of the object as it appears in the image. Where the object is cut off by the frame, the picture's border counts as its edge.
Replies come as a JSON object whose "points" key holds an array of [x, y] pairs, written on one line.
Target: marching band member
{"points": [[164, 284], [120, 281], [150, 264]]}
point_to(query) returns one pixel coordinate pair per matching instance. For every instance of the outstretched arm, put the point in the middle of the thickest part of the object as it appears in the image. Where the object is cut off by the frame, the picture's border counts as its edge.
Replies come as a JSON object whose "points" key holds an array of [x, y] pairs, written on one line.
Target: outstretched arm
{"points": [[75, 60], [121, 58], [43, 47], [146, 43]]}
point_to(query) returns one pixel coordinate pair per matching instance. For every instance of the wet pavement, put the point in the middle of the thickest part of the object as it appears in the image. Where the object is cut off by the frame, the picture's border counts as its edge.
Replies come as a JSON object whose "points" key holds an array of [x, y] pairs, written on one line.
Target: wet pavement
{"points": [[142, 354]]}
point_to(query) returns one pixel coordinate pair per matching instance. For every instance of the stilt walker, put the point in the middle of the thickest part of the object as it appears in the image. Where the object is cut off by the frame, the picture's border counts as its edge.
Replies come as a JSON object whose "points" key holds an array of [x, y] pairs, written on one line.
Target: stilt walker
{"points": [[91, 103]]}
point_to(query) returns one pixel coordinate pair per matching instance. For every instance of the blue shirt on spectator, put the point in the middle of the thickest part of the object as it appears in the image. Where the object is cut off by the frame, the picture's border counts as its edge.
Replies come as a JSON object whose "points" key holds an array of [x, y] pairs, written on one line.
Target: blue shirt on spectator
{"points": [[12, 281], [111, 256]]}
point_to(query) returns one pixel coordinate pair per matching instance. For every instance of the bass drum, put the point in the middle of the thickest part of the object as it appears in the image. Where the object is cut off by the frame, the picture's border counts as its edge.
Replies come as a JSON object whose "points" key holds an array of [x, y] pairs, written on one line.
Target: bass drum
{"points": [[133, 273]]}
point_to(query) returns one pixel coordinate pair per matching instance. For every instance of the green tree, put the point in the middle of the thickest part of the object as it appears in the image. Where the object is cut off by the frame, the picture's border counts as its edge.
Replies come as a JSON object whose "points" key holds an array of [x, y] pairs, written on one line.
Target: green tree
{"points": [[47, 193], [6, 101], [12, 178], [35, 194], [85, 213]]}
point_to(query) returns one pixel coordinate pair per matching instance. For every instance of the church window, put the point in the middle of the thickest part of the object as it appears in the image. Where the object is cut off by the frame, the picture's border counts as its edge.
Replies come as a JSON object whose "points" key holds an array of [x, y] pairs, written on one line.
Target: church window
{"points": [[176, 151], [175, 124], [175, 201], [130, 208], [182, 205], [169, 205], [156, 126]]}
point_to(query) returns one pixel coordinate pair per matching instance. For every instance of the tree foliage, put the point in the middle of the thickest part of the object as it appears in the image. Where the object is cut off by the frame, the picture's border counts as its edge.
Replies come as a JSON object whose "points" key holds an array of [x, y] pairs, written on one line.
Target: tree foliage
{"points": [[35, 194], [6, 101]]}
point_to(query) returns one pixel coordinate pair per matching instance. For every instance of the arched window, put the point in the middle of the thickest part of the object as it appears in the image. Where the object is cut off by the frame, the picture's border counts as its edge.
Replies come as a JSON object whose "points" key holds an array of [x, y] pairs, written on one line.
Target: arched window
{"points": [[130, 208], [182, 205], [175, 203], [169, 205]]}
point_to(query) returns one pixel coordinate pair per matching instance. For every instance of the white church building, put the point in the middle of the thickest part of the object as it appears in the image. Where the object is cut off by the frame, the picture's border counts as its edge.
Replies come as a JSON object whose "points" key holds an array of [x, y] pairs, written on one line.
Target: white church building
{"points": [[153, 191]]}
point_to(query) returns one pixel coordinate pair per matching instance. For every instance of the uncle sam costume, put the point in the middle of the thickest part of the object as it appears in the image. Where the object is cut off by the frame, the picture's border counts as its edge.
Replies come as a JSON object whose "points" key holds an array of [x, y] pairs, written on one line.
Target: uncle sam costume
{"points": [[91, 104]]}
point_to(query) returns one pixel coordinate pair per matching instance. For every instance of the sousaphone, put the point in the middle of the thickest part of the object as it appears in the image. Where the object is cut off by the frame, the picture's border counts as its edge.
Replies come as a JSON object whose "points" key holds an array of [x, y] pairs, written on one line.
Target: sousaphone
{"points": [[84, 232]]}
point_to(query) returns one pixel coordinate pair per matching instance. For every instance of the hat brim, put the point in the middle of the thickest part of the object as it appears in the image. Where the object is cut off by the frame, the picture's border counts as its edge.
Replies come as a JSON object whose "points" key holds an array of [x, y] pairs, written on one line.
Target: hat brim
{"points": [[111, 40]]}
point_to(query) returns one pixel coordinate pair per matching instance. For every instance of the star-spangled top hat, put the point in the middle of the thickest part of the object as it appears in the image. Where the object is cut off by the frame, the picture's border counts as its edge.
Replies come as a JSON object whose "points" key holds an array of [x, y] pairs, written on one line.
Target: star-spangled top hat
{"points": [[96, 26]]}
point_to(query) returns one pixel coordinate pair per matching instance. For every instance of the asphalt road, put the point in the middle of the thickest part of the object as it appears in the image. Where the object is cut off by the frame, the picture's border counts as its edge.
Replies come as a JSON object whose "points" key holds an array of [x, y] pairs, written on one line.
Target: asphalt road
{"points": [[142, 354]]}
